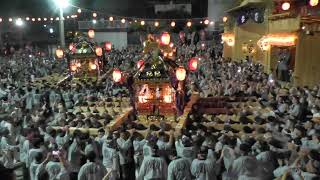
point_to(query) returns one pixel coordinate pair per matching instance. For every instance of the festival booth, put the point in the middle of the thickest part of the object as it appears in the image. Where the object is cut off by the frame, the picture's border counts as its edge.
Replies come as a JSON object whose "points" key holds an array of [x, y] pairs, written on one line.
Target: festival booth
{"points": [[294, 28], [268, 30], [244, 26]]}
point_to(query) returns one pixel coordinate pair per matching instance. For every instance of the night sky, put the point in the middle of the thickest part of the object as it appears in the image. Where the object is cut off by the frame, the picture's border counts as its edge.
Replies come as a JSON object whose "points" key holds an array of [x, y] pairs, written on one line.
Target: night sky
{"points": [[46, 8], [34, 8]]}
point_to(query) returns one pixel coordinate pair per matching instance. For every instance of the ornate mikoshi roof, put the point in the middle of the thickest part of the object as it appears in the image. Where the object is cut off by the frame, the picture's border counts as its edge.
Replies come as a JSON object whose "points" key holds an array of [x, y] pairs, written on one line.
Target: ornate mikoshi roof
{"points": [[157, 67], [83, 47], [155, 71], [247, 3]]}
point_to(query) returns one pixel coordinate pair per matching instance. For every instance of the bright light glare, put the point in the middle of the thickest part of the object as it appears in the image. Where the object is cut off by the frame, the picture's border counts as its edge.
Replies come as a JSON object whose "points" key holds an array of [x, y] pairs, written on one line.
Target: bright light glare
{"points": [[19, 22], [94, 21], [62, 3], [51, 30]]}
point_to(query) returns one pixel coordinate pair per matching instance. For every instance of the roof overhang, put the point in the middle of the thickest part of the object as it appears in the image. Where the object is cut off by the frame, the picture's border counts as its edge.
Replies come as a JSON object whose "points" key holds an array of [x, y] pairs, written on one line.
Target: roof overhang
{"points": [[247, 4]]}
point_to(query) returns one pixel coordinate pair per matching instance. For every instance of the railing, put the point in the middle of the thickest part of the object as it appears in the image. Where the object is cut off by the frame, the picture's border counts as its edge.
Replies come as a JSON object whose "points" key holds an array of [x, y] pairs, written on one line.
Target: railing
{"points": [[102, 24]]}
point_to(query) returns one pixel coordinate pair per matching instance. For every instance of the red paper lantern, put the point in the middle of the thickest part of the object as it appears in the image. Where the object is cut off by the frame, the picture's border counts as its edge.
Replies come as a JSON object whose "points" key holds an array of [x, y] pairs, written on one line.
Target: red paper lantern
{"points": [[59, 53], [165, 38], [116, 75], [99, 51], [91, 33], [193, 64], [181, 73], [140, 64], [108, 46]]}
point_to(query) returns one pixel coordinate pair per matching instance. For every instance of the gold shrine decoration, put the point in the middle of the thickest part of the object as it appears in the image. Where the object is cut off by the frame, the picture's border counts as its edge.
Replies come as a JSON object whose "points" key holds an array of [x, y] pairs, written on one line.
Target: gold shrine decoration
{"points": [[288, 39], [228, 38]]}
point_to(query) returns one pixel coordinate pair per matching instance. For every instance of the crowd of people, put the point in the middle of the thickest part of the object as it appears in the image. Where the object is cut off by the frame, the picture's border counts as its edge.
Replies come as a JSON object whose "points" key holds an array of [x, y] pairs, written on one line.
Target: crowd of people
{"points": [[286, 147]]}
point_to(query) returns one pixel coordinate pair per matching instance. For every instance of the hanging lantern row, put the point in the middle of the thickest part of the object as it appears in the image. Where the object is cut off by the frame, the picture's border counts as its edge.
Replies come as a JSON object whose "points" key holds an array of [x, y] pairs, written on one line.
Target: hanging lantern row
{"points": [[33, 19]]}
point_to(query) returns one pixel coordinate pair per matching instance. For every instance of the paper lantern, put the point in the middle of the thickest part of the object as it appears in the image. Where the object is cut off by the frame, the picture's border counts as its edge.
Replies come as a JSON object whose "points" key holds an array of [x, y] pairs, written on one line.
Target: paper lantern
{"points": [[116, 75], [181, 73], [173, 24], [313, 2], [156, 24], [140, 65], [165, 38], [93, 66], [71, 47], [99, 51], [225, 19], [206, 22], [189, 24], [193, 64], [91, 33], [73, 67], [59, 53], [108, 46], [285, 6]]}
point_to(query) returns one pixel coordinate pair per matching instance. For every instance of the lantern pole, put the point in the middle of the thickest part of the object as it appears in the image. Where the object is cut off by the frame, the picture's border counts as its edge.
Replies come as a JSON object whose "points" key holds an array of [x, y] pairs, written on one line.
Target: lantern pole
{"points": [[61, 4], [61, 28]]}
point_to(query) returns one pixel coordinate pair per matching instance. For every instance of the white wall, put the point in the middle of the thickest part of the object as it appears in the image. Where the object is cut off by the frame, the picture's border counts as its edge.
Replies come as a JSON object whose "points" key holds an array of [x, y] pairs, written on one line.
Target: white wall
{"points": [[118, 39]]}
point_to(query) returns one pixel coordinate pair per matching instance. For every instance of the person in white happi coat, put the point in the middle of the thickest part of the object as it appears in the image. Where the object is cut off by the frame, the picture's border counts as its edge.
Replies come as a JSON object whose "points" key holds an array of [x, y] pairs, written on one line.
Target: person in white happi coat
{"points": [[153, 167], [124, 143], [179, 168], [203, 168], [35, 164], [29, 99], [74, 156], [111, 158], [138, 144], [92, 170], [55, 166], [185, 148]]}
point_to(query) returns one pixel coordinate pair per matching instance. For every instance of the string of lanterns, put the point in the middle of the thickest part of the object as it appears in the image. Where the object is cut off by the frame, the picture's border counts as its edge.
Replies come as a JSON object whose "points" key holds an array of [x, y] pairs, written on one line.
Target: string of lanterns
{"points": [[123, 19]]}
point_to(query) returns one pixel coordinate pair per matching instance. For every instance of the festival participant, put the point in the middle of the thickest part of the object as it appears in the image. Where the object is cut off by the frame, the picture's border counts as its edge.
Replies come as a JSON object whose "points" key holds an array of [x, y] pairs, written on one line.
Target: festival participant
{"points": [[203, 168], [153, 166], [179, 168], [91, 169], [111, 158], [124, 143], [74, 156], [55, 166]]}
